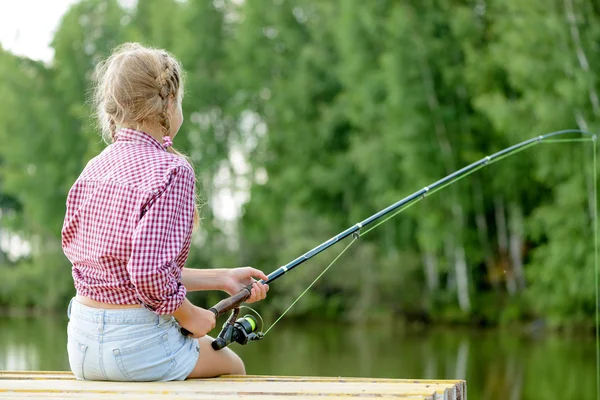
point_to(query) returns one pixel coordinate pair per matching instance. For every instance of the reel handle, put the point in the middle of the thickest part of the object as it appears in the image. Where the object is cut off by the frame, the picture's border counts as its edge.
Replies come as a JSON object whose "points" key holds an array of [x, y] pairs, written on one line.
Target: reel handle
{"points": [[218, 344]]}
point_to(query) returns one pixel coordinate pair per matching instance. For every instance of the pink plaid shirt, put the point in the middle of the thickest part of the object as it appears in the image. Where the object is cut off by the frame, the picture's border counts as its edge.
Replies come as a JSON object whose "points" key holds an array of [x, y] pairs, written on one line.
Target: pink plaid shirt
{"points": [[128, 224]]}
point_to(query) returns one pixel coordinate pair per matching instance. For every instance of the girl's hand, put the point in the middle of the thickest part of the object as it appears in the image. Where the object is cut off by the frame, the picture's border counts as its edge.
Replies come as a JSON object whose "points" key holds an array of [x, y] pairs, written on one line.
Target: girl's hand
{"points": [[201, 322], [196, 320], [236, 279]]}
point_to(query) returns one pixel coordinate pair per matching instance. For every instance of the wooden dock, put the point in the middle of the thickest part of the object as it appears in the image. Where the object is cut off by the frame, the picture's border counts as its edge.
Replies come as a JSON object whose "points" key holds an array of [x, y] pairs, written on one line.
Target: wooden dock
{"points": [[53, 385]]}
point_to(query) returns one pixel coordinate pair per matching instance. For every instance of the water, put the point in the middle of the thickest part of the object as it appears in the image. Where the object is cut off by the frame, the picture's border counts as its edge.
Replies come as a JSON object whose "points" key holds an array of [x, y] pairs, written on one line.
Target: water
{"points": [[497, 365]]}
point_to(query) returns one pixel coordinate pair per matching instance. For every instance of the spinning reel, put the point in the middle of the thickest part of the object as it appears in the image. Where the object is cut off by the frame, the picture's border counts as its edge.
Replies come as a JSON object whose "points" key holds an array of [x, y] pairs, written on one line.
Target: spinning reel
{"points": [[242, 331]]}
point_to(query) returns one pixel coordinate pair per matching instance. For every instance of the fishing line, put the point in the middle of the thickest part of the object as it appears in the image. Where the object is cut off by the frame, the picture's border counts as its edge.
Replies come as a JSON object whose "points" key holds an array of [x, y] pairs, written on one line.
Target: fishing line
{"points": [[455, 177], [311, 285], [595, 210]]}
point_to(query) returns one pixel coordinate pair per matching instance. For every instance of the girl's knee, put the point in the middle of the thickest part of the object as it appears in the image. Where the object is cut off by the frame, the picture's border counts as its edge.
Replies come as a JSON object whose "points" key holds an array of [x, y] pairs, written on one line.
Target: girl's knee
{"points": [[237, 366], [214, 363]]}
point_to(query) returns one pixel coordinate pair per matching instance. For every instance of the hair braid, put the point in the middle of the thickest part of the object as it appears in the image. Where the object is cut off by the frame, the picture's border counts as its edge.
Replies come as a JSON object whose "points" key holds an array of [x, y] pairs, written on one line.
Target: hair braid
{"points": [[112, 127], [165, 91]]}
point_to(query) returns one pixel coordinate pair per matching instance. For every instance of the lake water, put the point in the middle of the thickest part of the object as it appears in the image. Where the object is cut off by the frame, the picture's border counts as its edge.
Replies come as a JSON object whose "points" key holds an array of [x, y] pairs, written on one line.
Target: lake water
{"points": [[496, 364]]}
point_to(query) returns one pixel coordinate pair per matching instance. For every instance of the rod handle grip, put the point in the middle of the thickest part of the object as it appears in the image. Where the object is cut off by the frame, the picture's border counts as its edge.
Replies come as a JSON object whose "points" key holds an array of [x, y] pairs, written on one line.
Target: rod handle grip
{"points": [[231, 302]]}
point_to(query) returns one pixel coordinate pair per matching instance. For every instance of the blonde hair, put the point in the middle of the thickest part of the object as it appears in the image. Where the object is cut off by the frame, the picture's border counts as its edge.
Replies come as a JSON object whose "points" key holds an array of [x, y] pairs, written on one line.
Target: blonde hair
{"points": [[134, 86]]}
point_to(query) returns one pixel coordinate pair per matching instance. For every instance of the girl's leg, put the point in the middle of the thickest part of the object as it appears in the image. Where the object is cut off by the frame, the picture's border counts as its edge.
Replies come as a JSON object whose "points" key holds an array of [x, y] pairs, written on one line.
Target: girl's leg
{"points": [[213, 363]]}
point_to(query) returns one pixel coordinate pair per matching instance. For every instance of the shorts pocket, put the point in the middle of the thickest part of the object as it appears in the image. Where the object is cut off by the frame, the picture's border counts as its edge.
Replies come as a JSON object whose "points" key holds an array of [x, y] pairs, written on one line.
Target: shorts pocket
{"points": [[77, 352], [146, 359]]}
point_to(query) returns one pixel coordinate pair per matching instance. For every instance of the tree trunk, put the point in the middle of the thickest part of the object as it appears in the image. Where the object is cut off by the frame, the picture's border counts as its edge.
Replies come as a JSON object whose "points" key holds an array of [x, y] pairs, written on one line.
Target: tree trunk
{"points": [[500, 214], [483, 231], [516, 245], [460, 265], [450, 255], [431, 271], [2, 255], [589, 178], [434, 106], [577, 113], [581, 56], [366, 296], [462, 279]]}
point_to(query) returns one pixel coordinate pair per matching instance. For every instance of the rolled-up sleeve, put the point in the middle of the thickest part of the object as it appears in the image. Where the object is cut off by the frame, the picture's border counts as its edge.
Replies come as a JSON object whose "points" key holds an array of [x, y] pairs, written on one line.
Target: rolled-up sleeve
{"points": [[161, 243]]}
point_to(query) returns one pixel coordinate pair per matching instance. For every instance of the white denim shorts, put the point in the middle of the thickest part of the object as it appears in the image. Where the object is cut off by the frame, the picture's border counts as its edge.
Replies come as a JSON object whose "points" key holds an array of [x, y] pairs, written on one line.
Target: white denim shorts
{"points": [[132, 344]]}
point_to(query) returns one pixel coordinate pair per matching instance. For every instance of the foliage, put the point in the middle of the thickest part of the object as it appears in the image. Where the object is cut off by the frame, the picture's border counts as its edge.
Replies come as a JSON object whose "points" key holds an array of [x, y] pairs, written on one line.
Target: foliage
{"points": [[316, 115]]}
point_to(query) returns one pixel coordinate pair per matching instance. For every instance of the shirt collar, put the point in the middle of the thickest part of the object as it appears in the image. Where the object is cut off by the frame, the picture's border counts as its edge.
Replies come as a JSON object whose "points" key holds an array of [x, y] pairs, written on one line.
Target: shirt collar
{"points": [[131, 135]]}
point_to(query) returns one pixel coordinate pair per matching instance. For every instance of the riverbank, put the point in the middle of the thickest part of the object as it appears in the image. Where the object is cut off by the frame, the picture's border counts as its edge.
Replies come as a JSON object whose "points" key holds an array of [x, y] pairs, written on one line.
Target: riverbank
{"points": [[410, 323]]}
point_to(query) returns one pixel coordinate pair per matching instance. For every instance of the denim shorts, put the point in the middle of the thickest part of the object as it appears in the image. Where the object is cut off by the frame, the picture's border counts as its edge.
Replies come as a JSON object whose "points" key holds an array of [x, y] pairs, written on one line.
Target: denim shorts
{"points": [[132, 344]]}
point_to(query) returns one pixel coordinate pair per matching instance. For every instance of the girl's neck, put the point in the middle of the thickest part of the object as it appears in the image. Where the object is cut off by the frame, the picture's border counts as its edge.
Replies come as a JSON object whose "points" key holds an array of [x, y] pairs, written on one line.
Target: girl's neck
{"points": [[155, 131]]}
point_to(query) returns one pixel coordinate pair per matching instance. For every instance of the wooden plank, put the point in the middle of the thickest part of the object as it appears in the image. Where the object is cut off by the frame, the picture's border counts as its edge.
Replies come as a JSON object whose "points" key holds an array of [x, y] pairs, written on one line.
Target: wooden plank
{"points": [[218, 387], [234, 378], [28, 375], [64, 385], [200, 396]]}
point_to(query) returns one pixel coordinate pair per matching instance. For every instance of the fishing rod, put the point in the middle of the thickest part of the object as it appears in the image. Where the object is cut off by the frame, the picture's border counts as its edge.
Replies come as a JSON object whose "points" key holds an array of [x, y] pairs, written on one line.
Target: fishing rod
{"points": [[243, 330]]}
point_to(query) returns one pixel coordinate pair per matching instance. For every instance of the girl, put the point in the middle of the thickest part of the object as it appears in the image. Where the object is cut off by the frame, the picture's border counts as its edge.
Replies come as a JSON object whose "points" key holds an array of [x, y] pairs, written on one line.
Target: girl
{"points": [[127, 231]]}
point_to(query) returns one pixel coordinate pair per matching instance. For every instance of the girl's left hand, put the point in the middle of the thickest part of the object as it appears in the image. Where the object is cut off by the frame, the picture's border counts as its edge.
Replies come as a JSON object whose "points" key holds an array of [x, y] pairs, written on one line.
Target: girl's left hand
{"points": [[236, 279]]}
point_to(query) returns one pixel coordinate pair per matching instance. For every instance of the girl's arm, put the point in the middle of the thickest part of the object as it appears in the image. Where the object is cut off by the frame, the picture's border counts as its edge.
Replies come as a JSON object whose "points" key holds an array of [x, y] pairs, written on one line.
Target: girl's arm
{"points": [[203, 279], [230, 280]]}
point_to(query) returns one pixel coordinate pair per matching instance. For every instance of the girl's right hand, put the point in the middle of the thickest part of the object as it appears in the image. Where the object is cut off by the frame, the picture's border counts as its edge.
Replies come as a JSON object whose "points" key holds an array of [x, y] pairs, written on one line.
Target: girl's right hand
{"points": [[195, 320], [200, 322]]}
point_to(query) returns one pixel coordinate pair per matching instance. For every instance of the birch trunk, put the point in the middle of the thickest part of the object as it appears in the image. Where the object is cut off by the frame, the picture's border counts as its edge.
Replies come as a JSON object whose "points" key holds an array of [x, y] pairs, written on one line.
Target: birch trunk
{"points": [[580, 52], [2, 255], [460, 265], [483, 230], [516, 245], [431, 271], [593, 95], [502, 230], [589, 178]]}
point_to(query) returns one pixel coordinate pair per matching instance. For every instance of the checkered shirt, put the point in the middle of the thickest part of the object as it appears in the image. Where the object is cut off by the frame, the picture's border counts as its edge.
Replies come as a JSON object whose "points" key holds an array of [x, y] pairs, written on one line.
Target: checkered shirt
{"points": [[128, 224]]}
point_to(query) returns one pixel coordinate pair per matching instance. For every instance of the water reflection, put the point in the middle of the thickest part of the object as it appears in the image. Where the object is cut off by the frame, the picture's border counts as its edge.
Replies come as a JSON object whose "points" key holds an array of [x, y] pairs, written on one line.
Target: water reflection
{"points": [[33, 344], [497, 365]]}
